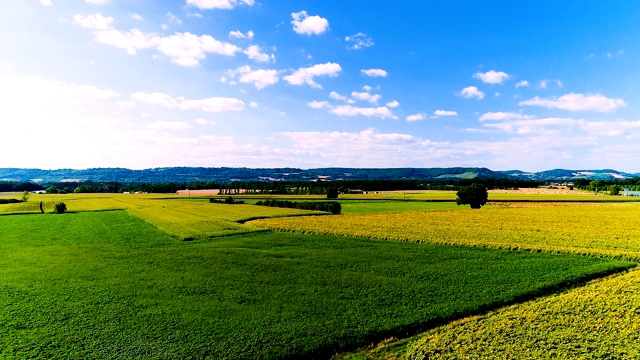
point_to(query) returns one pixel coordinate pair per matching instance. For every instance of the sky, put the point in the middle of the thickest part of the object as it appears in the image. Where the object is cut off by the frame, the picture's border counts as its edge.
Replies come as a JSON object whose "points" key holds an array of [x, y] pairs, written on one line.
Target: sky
{"points": [[528, 85]]}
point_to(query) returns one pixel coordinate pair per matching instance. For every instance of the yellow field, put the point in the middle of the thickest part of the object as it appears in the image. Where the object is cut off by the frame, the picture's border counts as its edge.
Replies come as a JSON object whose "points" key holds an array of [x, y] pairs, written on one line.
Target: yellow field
{"points": [[610, 230], [600, 320]]}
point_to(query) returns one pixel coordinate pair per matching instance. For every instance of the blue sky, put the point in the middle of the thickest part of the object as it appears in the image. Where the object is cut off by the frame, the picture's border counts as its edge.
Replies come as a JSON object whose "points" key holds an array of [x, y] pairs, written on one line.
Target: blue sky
{"points": [[530, 85]]}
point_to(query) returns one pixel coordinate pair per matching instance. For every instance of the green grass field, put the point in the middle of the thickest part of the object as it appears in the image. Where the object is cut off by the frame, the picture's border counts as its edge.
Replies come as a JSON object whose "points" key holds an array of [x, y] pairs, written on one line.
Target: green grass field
{"points": [[108, 285], [105, 283]]}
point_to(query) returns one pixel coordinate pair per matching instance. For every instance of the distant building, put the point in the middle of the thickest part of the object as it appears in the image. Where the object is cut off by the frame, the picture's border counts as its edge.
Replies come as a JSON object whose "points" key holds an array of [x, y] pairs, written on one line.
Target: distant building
{"points": [[356, 191], [628, 192]]}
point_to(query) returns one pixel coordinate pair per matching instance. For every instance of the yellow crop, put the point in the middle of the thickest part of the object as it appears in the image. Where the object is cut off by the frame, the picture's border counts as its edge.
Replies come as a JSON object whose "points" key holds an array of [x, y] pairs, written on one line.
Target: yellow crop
{"points": [[610, 230], [599, 320]]}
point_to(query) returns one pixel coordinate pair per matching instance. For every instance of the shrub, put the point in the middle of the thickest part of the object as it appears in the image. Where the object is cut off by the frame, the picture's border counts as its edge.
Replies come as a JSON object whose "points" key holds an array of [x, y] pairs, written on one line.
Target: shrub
{"points": [[230, 200], [60, 208], [333, 207]]}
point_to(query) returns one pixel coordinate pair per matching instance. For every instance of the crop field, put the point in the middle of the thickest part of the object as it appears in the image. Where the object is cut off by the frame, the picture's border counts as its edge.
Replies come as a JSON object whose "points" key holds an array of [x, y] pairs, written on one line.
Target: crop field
{"points": [[601, 230], [108, 285], [112, 279]]}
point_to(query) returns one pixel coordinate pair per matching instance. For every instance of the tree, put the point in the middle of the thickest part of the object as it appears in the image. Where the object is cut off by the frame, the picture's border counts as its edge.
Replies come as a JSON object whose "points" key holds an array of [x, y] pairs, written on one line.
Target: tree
{"points": [[332, 193], [25, 196], [614, 190], [595, 184], [60, 208], [475, 195]]}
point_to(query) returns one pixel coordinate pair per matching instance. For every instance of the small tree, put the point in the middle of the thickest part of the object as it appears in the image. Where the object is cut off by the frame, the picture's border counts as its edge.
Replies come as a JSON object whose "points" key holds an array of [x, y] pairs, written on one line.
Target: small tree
{"points": [[25, 196], [614, 190], [475, 195], [60, 208], [332, 193]]}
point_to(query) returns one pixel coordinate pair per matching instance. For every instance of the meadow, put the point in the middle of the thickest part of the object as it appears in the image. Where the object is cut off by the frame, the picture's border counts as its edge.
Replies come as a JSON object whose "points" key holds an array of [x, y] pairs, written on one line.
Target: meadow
{"points": [[115, 278]]}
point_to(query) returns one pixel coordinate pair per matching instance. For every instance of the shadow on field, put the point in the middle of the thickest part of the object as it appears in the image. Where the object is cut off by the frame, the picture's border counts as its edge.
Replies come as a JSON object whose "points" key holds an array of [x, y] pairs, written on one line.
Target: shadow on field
{"points": [[410, 330]]}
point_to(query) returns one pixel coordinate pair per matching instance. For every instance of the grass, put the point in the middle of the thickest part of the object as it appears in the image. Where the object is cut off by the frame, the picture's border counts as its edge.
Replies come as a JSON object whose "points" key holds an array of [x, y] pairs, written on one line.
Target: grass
{"points": [[108, 285], [605, 230]]}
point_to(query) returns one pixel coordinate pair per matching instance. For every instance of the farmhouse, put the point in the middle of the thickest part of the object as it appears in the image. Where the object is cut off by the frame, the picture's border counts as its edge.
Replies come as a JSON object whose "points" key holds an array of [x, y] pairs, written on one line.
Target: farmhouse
{"points": [[628, 192], [356, 191]]}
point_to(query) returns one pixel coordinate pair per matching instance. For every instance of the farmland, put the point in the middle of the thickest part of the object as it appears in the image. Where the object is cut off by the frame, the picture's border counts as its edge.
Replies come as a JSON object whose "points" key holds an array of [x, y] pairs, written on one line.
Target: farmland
{"points": [[115, 279]]}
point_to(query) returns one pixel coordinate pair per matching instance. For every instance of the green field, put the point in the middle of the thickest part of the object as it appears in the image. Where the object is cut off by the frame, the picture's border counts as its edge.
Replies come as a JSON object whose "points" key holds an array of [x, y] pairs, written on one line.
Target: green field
{"points": [[103, 283]]}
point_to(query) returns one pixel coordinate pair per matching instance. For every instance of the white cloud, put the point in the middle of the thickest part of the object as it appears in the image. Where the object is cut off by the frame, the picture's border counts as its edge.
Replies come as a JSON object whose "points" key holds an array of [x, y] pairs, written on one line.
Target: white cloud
{"points": [[308, 25], [445, 113], [213, 105], [347, 110], [126, 104], [611, 128], [259, 78], [169, 125], [253, 52], [543, 84], [253, 105], [239, 35], [359, 41], [306, 75], [173, 19], [334, 95], [136, 16], [577, 102], [415, 117], [499, 116], [365, 96], [523, 83], [530, 126], [46, 2], [185, 49], [492, 77], [205, 122], [93, 22], [393, 104], [96, 2], [374, 73], [472, 91], [219, 4], [319, 104], [367, 88]]}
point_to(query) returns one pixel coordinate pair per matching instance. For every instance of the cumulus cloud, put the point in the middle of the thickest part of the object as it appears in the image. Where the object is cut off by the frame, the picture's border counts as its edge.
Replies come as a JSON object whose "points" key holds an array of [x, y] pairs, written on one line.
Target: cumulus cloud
{"points": [[184, 49], [219, 4], [415, 117], [543, 84], [169, 125], [213, 105], [307, 75], [358, 41], [46, 2], [445, 113], [136, 16], [492, 77], [239, 35], [348, 110], [530, 126], [523, 83], [308, 25], [259, 78], [374, 73], [393, 104], [365, 96], [499, 116], [577, 102], [334, 95], [254, 52], [611, 128], [205, 122], [471, 92], [319, 104]]}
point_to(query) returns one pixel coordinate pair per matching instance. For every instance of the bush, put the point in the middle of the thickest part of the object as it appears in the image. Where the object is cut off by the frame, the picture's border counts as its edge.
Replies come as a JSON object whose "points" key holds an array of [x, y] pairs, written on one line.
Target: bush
{"points": [[229, 201], [333, 207], [9, 201], [475, 195], [60, 208]]}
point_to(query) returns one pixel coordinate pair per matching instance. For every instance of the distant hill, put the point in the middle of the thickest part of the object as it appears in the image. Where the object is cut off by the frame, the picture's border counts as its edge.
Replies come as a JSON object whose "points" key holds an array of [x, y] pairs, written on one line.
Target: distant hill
{"points": [[224, 174]]}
